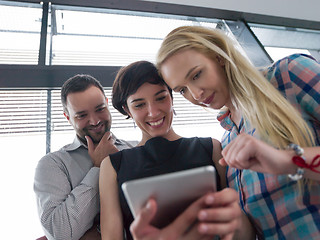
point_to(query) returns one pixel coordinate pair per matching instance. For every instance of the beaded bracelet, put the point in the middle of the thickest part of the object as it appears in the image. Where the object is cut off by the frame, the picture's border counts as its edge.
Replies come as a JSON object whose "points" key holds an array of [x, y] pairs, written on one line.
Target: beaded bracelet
{"points": [[299, 151], [300, 161]]}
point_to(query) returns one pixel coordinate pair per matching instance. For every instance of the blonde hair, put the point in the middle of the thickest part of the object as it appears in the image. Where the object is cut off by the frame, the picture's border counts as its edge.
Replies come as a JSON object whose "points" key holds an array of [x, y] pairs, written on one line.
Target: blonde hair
{"points": [[261, 104]]}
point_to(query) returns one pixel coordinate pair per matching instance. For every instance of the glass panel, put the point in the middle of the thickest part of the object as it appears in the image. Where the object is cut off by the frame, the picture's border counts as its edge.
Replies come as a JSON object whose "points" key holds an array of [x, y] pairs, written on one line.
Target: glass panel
{"points": [[281, 41], [20, 27], [19, 157], [23, 143], [274, 36], [110, 37], [22, 112]]}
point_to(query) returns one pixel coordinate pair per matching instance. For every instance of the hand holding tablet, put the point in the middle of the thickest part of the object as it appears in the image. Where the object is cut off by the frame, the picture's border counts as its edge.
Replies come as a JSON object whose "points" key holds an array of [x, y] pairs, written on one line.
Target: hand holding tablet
{"points": [[173, 192]]}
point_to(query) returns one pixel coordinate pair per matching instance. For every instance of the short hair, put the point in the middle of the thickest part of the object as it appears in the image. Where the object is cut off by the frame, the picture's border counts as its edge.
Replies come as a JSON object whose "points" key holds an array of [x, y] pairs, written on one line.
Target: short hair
{"points": [[130, 78], [78, 83]]}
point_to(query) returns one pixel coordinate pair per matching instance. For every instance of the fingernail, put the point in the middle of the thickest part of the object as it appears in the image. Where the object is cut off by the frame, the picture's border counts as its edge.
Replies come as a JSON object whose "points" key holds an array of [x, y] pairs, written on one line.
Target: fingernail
{"points": [[202, 215], [203, 228], [209, 199], [148, 207]]}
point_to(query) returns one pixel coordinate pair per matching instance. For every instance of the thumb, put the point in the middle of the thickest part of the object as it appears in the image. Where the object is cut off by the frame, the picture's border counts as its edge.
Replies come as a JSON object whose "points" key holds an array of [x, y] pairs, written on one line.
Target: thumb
{"points": [[223, 162], [149, 211], [90, 144], [141, 226]]}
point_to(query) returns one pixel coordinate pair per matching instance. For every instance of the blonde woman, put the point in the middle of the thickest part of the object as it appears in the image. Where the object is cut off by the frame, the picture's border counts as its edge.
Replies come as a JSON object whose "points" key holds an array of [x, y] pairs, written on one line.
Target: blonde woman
{"points": [[272, 123]]}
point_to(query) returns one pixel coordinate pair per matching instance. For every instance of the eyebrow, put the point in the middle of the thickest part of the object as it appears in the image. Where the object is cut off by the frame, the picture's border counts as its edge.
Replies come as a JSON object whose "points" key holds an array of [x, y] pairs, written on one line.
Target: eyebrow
{"points": [[141, 99], [187, 75], [161, 91], [101, 105]]}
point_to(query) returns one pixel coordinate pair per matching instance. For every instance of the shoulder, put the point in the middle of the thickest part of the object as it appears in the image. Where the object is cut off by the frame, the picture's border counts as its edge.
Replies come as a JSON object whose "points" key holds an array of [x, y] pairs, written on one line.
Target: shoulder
{"points": [[296, 59], [128, 150], [293, 71], [291, 63], [105, 164], [59, 157], [54, 156], [299, 62], [118, 157]]}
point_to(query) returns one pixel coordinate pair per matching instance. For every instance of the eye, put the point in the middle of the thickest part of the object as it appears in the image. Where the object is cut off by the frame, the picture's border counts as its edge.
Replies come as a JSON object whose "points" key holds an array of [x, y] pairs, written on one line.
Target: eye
{"points": [[140, 105], [197, 75], [182, 91], [81, 116], [101, 109], [161, 98]]}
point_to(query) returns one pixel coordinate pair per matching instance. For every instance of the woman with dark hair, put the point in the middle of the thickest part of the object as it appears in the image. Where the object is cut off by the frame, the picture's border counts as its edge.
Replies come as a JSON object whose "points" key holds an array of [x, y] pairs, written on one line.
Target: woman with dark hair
{"points": [[140, 93]]}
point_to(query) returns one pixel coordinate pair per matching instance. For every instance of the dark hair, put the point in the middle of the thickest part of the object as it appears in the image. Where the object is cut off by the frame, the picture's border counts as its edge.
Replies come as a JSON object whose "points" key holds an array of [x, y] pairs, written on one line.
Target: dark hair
{"points": [[130, 78], [78, 83]]}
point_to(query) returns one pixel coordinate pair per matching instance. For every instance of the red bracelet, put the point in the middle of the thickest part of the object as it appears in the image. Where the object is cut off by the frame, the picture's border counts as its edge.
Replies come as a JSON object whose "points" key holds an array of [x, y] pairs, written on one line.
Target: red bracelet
{"points": [[300, 162]]}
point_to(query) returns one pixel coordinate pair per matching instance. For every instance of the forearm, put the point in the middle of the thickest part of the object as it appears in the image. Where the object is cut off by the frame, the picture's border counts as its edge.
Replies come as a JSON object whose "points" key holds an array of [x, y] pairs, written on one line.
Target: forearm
{"points": [[281, 162], [66, 213], [310, 154], [112, 230]]}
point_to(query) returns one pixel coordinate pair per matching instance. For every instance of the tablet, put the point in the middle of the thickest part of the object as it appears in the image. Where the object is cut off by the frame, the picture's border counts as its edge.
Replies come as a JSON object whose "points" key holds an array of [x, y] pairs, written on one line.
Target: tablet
{"points": [[173, 192]]}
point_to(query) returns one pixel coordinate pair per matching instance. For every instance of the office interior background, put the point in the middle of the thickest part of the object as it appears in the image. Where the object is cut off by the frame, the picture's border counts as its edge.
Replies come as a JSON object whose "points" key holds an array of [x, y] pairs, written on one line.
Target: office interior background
{"points": [[44, 43]]}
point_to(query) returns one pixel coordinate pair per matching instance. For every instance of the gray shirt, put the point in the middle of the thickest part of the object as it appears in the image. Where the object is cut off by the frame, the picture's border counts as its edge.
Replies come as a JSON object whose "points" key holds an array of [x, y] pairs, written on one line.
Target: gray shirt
{"points": [[67, 190]]}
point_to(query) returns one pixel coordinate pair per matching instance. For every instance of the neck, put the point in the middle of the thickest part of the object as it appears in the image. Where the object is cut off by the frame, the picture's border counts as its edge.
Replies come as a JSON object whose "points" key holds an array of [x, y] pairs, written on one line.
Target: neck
{"points": [[235, 115]]}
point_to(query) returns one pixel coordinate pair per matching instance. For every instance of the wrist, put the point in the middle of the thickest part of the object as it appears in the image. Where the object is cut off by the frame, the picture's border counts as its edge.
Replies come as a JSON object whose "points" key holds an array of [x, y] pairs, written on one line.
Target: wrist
{"points": [[300, 161], [298, 154]]}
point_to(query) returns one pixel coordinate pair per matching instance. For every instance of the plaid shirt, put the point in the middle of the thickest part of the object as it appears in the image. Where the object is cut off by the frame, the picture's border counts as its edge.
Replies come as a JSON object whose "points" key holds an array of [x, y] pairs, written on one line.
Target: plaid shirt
{"points": [[278, 208]]}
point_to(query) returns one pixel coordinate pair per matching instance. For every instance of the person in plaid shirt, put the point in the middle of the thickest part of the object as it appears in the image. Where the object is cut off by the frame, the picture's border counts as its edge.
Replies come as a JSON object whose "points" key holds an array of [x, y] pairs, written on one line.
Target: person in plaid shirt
{"points": [[272, 123]]}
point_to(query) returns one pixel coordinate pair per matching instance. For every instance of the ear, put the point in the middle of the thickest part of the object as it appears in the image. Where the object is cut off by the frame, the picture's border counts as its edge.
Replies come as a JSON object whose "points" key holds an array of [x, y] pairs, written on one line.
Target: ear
{"points": [[220, 61], [125, 108], [66, 115]]}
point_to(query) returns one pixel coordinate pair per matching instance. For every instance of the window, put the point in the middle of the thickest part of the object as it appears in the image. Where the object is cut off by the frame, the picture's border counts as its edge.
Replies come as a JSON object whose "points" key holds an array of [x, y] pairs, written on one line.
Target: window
{"points": [[110, 37], [280, 41], [20, 26]]}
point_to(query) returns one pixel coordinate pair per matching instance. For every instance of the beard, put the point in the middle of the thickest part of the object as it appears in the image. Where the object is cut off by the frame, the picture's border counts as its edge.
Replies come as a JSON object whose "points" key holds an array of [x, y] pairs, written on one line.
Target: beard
{"points": [[96, 137]]}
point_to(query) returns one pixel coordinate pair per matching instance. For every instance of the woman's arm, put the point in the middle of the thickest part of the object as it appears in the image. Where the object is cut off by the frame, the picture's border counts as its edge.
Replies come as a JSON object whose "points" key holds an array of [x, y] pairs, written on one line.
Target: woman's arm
{"points": [[110, 212], [247, 152], [216, 156]]}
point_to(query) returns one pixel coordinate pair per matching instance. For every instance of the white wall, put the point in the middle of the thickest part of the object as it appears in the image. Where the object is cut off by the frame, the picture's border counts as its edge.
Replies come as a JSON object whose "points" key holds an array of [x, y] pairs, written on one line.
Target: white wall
{"points": [[305, 10]]}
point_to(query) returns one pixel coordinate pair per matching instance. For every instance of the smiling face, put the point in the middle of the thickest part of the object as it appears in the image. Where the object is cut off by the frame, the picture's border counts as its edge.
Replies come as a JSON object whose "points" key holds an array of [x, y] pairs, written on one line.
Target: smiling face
{"points": [[198, 78], [151, 108], [88, 113]]}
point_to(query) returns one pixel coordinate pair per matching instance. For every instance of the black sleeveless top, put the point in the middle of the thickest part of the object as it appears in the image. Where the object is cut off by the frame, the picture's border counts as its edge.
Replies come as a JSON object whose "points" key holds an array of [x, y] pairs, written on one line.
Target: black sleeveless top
{"points": [[159, 156]]}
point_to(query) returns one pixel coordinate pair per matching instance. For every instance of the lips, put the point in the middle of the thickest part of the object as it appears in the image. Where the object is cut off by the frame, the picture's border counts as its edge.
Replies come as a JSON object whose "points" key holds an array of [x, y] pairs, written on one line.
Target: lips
{"points": [[156, 123], [98, 128], [208, 100]]}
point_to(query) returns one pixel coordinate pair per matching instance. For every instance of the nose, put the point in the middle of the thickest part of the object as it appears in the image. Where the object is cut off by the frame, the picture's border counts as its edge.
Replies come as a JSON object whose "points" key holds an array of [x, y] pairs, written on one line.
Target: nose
{"points": [[195, 92], [94, 120], [153, 110]]}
